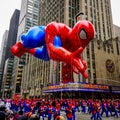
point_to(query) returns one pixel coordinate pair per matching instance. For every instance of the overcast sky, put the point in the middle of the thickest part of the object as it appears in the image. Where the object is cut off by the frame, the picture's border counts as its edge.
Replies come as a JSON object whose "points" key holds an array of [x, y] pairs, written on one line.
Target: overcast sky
{"points": [[7, 8]]}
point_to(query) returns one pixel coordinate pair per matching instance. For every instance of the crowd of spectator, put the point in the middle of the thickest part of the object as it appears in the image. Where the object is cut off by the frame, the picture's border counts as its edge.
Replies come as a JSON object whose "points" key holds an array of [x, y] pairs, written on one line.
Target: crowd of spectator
{"points": [[41, 109]]}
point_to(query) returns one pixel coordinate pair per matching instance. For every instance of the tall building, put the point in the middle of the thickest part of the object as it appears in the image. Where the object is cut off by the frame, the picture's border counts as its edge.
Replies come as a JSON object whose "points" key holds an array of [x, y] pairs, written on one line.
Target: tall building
{"points": [[2, 60], [7, 78], [99, 13], [12, 35], [3, 48], [28, 18], [9, 40]]}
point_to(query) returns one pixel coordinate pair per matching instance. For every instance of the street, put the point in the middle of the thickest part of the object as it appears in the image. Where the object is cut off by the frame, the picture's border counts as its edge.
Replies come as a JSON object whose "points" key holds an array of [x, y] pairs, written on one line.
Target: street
{"points": [[86, 116]]}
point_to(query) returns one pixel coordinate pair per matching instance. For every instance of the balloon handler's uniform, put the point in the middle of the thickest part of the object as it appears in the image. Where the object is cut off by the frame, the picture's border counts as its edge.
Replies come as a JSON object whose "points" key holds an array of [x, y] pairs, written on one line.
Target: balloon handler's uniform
{"points": [[59, 42], [70, 112]]}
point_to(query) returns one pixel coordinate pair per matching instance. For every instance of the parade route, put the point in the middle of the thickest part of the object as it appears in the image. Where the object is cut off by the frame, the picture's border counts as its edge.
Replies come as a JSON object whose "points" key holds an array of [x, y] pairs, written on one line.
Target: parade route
{"points": [[86, 116]]}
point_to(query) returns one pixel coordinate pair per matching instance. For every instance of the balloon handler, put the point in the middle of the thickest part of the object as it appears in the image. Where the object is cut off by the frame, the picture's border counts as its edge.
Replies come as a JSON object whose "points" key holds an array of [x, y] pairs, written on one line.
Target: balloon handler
{"points": [[59, 42]]}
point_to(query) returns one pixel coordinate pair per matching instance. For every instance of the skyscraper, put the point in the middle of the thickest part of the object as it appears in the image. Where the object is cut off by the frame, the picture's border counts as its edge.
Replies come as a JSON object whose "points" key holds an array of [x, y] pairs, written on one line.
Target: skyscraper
{"points": [[99, 13], [2, 60], [12, 36], [7, 78], [28, 18]]}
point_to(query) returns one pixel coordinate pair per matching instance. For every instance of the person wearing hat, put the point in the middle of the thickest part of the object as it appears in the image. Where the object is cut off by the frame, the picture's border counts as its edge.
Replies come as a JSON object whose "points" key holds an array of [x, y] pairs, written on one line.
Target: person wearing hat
{"points": [[56, 112], [50, 111], [41, 111], [70, 112]]}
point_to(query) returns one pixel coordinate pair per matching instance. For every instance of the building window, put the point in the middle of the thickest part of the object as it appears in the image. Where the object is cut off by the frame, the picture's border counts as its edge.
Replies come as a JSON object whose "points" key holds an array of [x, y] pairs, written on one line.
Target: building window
{"points": [[88, 52], [93, 64], [88, 63], [93, 56], [35, 16], [89, 74], [94, 78], [104, 47], [36, 5]]}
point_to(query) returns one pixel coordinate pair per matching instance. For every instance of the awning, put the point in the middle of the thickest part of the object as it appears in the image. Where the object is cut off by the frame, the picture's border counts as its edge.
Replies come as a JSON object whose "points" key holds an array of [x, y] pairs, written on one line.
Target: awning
{"points": [[76, 87]]}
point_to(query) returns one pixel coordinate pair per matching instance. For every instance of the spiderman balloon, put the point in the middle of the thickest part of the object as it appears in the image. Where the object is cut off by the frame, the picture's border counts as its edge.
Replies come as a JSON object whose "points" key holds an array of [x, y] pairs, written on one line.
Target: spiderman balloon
{"points": [[59, 42]]}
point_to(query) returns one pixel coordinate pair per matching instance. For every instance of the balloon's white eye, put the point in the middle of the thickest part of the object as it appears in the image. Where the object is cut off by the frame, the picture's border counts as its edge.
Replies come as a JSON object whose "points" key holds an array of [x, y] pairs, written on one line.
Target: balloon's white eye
{"points": [[83, 35]]}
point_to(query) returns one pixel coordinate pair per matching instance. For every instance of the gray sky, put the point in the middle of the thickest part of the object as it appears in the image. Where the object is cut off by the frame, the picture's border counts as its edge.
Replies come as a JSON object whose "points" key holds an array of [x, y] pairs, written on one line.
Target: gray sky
{"points": [[7, 8], [115, 4]]}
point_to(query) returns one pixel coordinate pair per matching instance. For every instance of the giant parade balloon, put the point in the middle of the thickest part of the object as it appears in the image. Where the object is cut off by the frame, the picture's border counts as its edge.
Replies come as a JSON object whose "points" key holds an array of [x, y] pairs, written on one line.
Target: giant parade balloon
{"points": [[59, 42]]}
